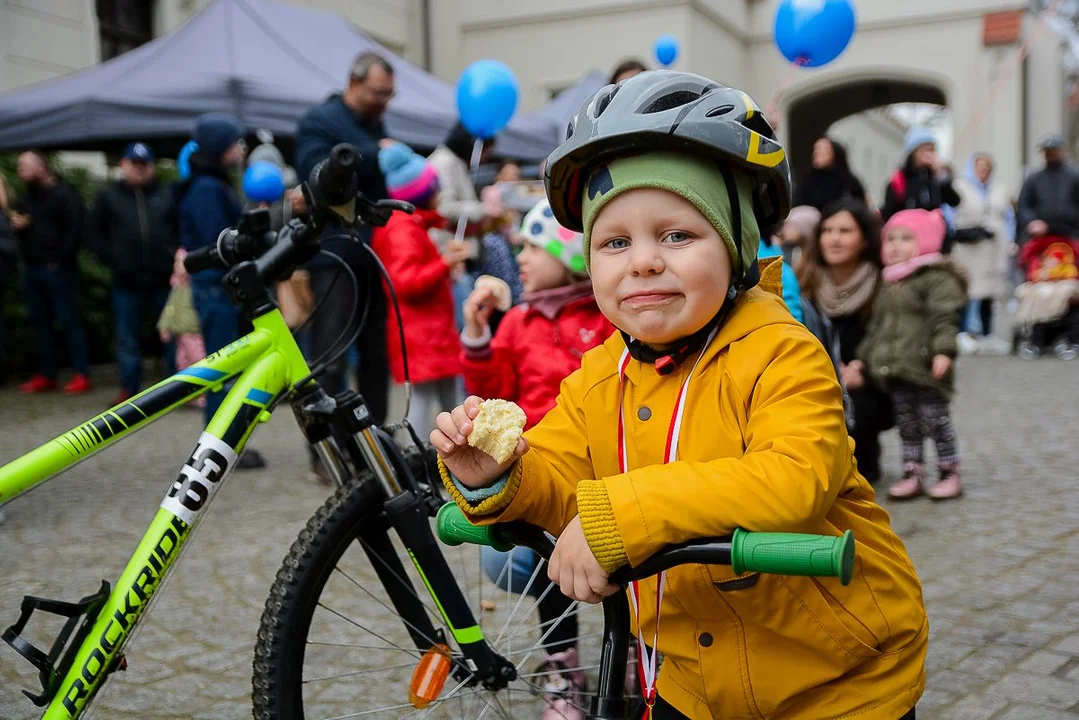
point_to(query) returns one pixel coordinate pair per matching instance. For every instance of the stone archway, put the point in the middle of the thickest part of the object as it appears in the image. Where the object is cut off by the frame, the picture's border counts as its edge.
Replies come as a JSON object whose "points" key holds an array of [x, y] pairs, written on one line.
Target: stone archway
{"points": [[812, 108]]}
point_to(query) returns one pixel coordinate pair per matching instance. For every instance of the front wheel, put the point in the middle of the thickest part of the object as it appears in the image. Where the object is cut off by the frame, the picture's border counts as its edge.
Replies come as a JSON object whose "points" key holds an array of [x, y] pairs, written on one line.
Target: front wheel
{"points": [[332, 644]]}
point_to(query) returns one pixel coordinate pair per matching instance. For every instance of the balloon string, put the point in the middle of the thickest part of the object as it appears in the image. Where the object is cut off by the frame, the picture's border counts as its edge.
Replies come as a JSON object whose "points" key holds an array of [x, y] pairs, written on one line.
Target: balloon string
{"points": [[788, 78], [477, 151], [998, 86]]}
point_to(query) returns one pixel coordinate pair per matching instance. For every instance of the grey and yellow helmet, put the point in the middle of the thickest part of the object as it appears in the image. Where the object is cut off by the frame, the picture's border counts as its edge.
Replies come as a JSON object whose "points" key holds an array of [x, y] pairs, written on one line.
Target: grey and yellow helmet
{"points": [[668, 110]]}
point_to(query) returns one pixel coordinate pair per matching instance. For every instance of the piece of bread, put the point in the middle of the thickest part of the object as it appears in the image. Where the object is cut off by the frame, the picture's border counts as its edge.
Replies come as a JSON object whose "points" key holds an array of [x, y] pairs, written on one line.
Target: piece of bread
{"points": [[497, 428], [500, 289]]}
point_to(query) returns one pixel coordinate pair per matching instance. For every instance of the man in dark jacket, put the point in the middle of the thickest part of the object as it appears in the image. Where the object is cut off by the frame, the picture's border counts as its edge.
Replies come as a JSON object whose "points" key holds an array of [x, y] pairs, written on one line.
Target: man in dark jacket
{"points": [[130, 230], [1049, 200], [49, 223], [354, 116], [9, 255]]}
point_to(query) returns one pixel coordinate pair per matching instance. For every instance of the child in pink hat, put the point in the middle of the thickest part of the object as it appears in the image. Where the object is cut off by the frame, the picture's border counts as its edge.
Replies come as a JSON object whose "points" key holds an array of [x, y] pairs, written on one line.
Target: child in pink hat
{"points": [[910, 346]]}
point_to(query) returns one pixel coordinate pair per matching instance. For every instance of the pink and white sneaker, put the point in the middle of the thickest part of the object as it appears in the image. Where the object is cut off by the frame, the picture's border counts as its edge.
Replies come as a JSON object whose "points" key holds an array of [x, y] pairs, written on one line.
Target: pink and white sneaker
{"points": [[564, 684]]}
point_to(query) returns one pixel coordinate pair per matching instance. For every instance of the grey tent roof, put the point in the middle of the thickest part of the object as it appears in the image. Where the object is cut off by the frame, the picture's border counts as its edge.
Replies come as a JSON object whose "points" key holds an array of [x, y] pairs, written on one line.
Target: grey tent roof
{"points": [[567, 103], [265, 61]]}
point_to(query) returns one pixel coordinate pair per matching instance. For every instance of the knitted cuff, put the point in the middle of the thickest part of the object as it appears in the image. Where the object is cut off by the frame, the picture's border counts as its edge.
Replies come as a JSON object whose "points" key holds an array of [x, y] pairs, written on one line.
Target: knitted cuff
{"points": [[597, 521]]}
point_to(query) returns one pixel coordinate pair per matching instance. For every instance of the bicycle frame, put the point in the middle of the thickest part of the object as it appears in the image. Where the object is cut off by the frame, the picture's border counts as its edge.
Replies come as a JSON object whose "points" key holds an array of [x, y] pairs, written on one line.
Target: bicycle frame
{"points": [[264, 364]]}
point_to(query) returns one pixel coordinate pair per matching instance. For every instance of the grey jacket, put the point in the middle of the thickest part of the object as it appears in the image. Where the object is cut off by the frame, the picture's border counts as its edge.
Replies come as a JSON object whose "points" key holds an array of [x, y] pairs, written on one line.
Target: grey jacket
{"points": [[1052, 195]]}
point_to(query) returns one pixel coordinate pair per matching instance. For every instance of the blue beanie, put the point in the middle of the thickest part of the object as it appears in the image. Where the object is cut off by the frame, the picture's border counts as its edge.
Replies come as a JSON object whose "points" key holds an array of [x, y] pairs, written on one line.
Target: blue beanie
{"points": [[919, 135], [409, 176], [216, 132]]}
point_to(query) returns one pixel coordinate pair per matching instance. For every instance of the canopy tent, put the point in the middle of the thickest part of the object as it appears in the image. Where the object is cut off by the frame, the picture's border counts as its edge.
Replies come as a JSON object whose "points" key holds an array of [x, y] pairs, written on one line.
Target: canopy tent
{"points": [[265, 61], [561, 109]]}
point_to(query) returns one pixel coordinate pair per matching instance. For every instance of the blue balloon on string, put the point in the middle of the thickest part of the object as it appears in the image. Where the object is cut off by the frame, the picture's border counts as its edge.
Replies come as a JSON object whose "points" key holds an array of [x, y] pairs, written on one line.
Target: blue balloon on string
{"points": [[264, 182], [486, 97], [666, 49], [812, 33], [183, 162]]}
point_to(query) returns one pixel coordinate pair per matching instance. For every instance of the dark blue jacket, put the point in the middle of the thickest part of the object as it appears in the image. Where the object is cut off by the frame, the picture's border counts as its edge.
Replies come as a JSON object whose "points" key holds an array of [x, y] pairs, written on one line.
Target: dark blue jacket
{"points": [[209, 205], [330, 123]]}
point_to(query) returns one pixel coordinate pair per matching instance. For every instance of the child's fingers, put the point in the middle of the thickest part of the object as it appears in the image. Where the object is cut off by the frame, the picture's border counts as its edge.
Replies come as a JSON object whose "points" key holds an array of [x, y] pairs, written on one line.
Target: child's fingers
{"points": [[447, 426], [472, 406], [442, 442], [462, 422], [521, 449], [582, 590]]}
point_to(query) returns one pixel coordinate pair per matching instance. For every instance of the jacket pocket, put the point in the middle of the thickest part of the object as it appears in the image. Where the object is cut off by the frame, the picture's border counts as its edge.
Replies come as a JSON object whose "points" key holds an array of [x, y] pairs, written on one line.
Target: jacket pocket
{"points": [[795, 638]]}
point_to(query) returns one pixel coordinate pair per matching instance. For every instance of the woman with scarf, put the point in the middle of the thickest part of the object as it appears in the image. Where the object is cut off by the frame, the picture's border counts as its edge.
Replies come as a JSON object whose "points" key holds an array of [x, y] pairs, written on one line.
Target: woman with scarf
{"points": [[839, 274], [985, 225], [830, 180]]}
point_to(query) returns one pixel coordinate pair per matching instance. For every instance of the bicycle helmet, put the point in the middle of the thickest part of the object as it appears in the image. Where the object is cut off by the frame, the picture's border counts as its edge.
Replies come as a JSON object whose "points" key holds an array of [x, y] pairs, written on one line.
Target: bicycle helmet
{"points": [[668, 110]]}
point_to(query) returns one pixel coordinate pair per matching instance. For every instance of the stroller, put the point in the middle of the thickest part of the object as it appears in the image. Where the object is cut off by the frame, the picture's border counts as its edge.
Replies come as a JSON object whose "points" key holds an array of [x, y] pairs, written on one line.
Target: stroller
{"points": [[1048, 314]]}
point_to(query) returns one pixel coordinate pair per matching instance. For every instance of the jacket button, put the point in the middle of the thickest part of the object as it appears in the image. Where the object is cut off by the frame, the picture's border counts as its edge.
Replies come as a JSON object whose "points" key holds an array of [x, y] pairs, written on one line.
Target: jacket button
{"points": [[705, 639], [884, 370], [644, 412]]}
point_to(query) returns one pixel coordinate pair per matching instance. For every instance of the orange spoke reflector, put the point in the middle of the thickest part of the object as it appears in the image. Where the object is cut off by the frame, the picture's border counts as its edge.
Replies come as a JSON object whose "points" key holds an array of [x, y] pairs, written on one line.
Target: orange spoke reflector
{"points": [[429, 677]]}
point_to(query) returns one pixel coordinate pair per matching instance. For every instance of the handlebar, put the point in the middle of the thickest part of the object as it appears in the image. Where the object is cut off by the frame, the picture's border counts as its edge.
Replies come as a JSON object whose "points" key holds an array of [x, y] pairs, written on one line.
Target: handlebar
{"points": [[332, 195], [774, 553]]}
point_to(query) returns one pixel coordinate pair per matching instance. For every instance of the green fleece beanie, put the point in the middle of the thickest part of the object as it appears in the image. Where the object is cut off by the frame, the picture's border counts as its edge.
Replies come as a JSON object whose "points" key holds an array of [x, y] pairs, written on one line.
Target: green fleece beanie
{"points": [[698, 180]]}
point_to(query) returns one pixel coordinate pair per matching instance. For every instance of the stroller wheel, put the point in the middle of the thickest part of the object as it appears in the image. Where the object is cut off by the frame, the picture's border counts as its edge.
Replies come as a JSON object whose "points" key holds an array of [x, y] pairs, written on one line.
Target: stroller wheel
{"points": [[1028, 350], [1065, 350]]}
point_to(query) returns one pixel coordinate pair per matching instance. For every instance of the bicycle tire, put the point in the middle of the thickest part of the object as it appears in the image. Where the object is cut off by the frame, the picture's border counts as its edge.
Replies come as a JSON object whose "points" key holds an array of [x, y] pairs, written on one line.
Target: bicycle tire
{"points": [[286, 617]]}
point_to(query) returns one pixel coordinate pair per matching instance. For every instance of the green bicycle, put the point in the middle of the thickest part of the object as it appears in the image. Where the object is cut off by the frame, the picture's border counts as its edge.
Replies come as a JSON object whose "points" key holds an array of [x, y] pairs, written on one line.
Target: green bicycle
{"points": [[344, 622]]}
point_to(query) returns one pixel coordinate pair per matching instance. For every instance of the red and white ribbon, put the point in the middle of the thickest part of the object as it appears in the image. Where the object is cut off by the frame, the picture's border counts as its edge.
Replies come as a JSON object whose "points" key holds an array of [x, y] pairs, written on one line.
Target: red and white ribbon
{"points": [[646, 661]]}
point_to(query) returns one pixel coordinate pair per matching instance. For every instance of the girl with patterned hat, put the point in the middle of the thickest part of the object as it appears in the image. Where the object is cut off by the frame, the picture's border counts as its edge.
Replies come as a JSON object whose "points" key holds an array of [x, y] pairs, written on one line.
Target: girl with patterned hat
{"points": [[536, 346]]}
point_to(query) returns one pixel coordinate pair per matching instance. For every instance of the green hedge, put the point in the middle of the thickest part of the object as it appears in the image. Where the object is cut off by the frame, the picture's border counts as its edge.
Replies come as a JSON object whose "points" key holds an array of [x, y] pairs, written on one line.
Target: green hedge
{"points": [[94, 298]]}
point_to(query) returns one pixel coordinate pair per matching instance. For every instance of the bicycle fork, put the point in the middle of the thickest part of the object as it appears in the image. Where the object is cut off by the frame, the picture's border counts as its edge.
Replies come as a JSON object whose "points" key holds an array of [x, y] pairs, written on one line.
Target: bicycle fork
{"points": [[407, 512]]}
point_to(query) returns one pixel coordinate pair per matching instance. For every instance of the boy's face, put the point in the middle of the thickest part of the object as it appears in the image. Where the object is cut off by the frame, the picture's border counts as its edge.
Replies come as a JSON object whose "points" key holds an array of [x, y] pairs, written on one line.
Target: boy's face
{"points": [[660, 270], [900, 245]]}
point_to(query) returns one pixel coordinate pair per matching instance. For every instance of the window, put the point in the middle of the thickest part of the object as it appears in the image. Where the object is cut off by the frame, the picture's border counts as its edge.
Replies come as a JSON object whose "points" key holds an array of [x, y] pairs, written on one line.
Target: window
{"points": [[124, 25]]}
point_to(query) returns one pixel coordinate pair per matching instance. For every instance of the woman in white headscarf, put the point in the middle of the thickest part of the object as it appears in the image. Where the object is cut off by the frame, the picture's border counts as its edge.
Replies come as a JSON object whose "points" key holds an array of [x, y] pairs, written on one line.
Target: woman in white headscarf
{"points": [[985, 227]]}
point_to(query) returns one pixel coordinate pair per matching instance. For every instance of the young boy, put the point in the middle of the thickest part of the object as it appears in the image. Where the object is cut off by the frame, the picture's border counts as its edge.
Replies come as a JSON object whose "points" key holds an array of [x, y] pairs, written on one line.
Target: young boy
{"points": [[711, 409]]}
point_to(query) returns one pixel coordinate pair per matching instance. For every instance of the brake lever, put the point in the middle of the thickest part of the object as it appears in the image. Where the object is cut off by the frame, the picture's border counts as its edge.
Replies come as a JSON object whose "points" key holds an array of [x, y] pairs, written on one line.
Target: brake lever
{"points": [[377, 213]]}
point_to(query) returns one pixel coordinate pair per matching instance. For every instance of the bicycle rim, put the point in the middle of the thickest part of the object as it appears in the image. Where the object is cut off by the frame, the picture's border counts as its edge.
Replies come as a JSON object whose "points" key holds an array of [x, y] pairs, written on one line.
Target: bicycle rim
{"points": [[331, 645]]}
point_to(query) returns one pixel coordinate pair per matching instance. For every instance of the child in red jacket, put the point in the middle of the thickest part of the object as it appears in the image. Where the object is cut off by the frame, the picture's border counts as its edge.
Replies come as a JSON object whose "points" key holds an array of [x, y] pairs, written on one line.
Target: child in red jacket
{"points": [[538, 344], [421, 279]]}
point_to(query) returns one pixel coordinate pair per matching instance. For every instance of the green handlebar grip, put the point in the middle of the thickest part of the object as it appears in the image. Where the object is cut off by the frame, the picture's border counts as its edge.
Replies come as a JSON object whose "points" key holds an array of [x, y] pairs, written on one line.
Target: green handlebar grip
{"points": [[453, 528], [793, 554]]}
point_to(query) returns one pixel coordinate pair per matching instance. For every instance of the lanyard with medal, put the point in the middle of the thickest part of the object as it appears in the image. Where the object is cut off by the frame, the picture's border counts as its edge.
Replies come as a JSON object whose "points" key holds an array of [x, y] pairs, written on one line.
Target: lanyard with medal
{"points": [[646, 661]]}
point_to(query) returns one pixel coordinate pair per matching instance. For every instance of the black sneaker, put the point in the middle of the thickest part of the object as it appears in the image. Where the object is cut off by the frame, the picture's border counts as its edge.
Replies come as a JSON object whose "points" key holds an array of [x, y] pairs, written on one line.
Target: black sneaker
{"points": [[251, 460]]}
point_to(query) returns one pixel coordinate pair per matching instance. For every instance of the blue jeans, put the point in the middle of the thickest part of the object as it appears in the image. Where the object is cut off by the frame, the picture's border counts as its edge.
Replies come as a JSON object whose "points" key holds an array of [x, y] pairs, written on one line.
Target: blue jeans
{"points": [[219, 321], [50, 300], [514, 578], [128, 306]]}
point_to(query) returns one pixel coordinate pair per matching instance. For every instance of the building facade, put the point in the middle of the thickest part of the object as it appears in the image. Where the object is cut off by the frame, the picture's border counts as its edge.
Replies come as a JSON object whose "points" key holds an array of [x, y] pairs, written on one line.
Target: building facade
{"points": [[960, 53]]}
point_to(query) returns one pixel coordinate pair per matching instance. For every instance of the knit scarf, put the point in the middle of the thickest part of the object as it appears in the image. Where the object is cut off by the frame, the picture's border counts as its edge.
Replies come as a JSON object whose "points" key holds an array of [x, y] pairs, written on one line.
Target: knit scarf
{"points": [[549, 303], [850, 297]]}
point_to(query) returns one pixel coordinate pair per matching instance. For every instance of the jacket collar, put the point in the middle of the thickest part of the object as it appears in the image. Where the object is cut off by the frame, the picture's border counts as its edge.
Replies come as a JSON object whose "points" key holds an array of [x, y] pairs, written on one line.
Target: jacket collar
{"points": [[754, 309]]}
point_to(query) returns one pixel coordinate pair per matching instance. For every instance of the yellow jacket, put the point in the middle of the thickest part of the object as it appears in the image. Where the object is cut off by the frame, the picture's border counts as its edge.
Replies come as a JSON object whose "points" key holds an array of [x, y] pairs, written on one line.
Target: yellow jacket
{"points": [[763, 447]]}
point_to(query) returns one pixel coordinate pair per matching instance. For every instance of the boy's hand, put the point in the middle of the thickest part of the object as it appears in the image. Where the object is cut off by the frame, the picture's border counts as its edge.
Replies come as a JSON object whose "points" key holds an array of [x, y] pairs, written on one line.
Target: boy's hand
{"points": [[19, 221], [473, 467], [941, 365], [477, 311], [575, 569]]}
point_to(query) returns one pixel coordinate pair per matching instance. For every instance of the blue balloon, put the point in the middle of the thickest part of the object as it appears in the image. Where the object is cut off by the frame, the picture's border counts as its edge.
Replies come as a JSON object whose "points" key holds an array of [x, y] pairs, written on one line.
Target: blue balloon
{"points": [[264, 182], [666, 49], [486, 97], [813, 33], [183, 162]]}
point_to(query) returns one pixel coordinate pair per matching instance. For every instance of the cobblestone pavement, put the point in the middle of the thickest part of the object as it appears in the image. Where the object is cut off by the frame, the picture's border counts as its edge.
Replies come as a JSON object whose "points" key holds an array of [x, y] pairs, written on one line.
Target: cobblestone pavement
{"points": [[1000, 567]]}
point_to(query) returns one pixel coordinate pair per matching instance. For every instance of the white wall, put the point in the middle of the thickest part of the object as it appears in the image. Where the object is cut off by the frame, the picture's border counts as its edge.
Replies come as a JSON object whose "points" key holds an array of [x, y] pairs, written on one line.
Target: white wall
{"points": [[874, 149], [42, 39], [712, 50], [554, 47]]}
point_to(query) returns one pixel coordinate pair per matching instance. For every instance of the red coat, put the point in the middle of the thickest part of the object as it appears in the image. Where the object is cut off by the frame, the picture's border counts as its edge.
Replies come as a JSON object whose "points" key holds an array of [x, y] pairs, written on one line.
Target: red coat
{"points": [[531, 354], [422, 282]]}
